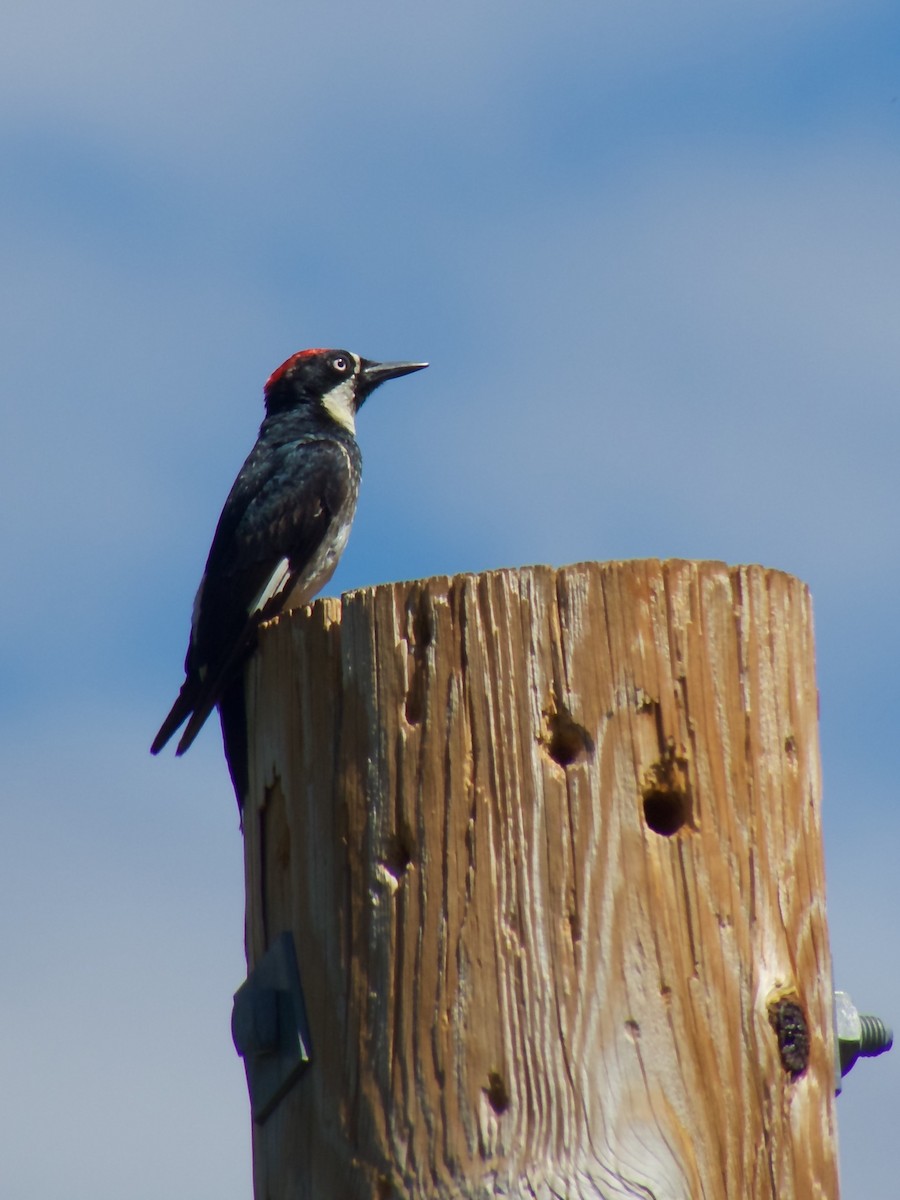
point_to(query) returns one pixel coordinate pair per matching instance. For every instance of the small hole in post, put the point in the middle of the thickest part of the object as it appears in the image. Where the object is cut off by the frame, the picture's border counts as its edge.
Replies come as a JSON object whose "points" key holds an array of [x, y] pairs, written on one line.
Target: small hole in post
{"points": [[498, 1096], [664, 812], [567, 741], [665, 795], [788, 1020], [398, 852]]}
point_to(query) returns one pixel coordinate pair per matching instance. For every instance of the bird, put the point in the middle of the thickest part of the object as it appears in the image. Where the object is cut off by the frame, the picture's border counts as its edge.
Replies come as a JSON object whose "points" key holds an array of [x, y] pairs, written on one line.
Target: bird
{"points": [[281, 532]]}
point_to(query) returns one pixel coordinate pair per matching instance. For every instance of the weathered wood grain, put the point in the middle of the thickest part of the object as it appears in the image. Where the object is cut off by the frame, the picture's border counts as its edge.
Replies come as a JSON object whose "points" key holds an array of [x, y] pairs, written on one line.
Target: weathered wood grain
{"points": [[549, 844]]}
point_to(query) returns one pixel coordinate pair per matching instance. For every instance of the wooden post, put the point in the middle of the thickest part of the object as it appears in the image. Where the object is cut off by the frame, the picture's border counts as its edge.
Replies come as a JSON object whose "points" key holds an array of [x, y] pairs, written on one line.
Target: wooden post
{"points": [[549, 846]]}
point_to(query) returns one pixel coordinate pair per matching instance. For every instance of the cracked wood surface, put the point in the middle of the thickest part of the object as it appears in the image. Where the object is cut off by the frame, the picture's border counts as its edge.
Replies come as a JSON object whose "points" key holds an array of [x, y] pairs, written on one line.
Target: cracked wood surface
{"points": [[549, 845]]}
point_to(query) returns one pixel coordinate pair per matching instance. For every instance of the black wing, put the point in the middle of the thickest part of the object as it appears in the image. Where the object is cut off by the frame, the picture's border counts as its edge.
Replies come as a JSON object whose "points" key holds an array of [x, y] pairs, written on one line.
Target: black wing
{"points": [[285, 505]]}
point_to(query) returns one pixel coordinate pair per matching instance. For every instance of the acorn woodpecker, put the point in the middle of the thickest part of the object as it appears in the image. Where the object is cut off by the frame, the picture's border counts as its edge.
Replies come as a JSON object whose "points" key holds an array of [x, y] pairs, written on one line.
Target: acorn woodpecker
{"points": [[282, 530]]}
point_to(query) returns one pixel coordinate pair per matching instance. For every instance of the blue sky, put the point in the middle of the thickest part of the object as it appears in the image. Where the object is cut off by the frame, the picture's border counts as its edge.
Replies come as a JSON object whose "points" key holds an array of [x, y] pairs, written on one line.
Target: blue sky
{"points": [[651, 252]]}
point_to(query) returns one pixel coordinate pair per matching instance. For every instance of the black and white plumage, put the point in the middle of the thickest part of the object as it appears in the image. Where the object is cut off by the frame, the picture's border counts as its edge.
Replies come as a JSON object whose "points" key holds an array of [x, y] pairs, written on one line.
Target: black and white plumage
{"points": [[283, 528]]}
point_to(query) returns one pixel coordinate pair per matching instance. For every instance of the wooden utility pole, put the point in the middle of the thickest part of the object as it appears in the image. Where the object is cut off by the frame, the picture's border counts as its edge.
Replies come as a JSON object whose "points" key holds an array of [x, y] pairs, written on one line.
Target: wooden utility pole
{"points": [[549, 846]]}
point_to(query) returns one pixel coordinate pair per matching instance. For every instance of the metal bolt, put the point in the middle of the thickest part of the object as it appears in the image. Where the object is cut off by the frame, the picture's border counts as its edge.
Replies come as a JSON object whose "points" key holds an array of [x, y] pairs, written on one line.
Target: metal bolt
{"points": [[254, 1021], [859, 1035]]}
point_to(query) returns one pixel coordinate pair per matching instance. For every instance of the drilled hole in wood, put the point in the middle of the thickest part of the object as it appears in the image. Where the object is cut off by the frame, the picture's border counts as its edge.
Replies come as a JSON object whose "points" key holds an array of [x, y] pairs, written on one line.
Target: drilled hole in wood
{"points": [[398, 853], [665, 812], [788, 1020], [665, 796], [567, 741], [498, 1096]]}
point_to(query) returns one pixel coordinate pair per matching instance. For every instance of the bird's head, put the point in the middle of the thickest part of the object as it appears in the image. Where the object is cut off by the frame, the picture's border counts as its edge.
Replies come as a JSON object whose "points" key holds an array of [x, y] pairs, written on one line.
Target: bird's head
{"points": [[335, 381]]}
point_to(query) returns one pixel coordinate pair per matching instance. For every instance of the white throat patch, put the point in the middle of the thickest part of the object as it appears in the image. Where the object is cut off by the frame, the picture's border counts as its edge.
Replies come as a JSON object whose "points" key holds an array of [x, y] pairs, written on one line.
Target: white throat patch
{"points": [[339, 403]]}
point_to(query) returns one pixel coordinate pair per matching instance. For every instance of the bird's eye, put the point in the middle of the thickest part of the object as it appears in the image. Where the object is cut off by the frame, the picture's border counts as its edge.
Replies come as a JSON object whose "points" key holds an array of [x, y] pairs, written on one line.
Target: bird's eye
{"points": [[340, 363]]}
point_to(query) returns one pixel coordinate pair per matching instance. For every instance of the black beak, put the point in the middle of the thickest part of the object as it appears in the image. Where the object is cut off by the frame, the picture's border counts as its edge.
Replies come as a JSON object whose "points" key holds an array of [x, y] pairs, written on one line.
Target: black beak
{"points": [[374, 373]]}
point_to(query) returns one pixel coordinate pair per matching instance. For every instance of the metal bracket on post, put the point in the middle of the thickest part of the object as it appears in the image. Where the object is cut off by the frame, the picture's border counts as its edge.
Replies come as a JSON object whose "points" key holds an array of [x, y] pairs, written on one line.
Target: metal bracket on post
{"points": [[269, 1027]]}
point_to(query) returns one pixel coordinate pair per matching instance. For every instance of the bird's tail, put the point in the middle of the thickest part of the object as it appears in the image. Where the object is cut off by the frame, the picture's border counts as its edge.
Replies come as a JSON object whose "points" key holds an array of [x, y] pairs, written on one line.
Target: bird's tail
{"points": [[181, 710]]}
